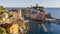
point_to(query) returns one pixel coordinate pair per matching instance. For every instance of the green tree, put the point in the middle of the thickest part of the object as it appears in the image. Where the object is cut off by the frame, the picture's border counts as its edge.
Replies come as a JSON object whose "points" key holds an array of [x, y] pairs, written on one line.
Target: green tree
{"points": [[2, 10], [2, 31]]}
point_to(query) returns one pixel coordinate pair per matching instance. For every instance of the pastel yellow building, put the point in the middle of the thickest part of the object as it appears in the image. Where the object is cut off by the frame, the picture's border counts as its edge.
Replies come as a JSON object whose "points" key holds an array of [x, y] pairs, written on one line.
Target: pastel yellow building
{"points": [[13, 29]]}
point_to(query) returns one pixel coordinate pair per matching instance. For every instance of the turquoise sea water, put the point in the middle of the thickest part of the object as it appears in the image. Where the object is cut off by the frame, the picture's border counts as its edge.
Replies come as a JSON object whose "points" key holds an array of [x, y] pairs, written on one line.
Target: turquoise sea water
{"points": [[35, 30], [55, 12]]}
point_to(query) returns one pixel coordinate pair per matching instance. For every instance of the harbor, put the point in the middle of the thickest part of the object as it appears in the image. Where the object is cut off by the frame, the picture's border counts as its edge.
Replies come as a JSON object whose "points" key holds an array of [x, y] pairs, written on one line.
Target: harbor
{"points": [[29, 20], [52, 28]]}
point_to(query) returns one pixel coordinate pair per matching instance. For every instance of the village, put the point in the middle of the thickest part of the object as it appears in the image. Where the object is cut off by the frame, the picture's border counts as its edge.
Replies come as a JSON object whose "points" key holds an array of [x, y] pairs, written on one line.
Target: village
{"points": [[18, 21]]}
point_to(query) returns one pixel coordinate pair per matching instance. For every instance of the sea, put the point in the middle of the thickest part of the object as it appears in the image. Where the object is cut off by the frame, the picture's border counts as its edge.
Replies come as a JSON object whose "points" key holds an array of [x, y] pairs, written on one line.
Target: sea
{"points": [[53, 28]]}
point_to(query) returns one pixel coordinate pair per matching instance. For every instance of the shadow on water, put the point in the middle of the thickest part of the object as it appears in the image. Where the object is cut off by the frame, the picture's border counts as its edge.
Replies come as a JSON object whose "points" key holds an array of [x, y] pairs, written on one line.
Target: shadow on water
{"points": [[51, 27]]}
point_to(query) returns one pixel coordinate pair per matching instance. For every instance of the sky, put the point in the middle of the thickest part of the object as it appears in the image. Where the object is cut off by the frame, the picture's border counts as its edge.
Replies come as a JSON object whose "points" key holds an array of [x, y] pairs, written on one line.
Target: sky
{"points": [[28, 3]]}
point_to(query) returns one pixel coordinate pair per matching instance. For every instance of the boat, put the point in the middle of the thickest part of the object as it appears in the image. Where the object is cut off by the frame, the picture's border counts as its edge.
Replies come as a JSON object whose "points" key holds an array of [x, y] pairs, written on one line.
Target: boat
{"points": [[44, 28]]}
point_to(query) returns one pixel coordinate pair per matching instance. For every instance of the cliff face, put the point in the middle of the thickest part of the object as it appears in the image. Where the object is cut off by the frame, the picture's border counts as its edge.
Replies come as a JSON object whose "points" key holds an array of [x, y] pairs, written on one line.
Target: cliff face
{"points": [[49, 16], [57, 21]]}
